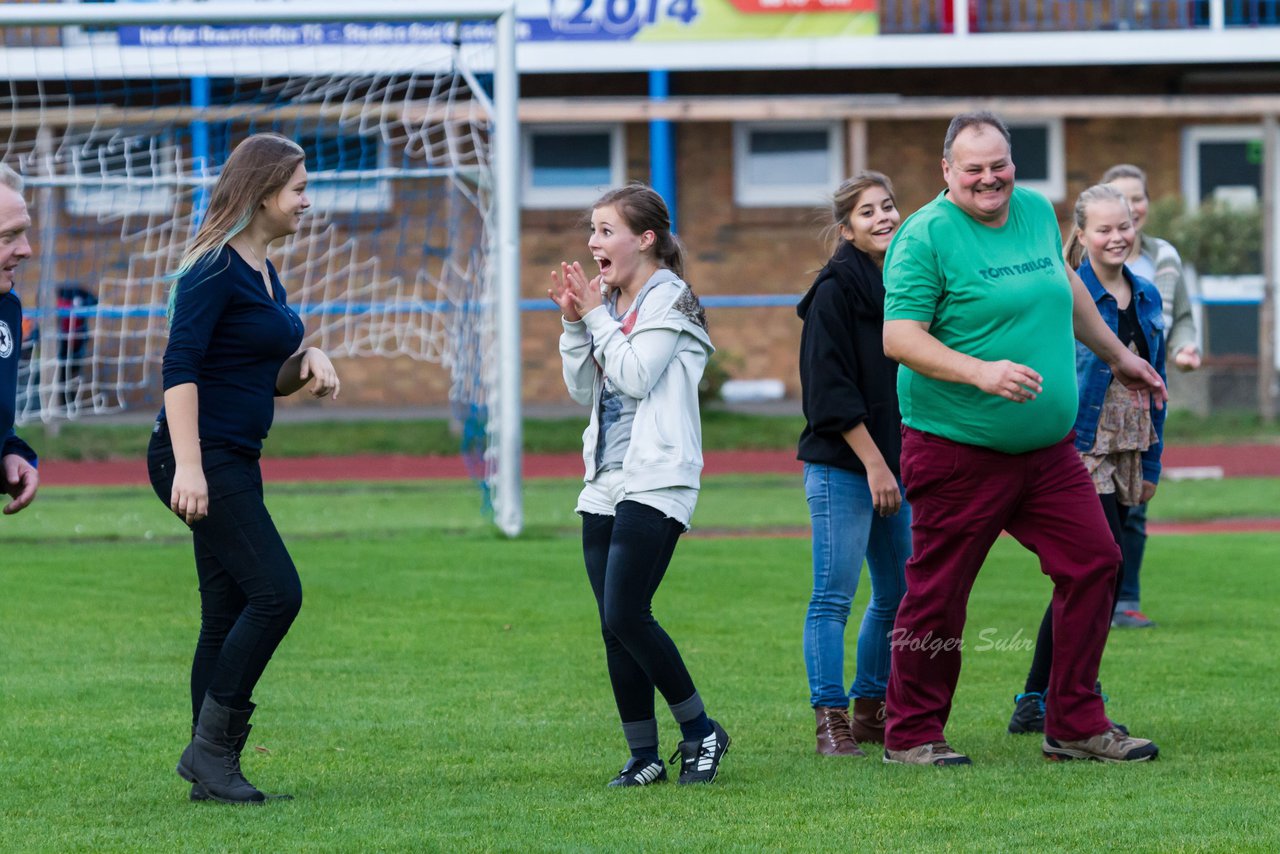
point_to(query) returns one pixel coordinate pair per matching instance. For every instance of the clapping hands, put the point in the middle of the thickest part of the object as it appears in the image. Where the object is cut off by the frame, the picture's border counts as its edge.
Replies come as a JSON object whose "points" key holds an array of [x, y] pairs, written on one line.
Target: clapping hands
{"points": [[573, 292]]}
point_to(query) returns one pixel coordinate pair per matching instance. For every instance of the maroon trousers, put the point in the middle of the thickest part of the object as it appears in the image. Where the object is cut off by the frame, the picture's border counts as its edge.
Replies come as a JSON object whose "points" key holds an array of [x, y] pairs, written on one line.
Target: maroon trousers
{"points": [[961, 497]]}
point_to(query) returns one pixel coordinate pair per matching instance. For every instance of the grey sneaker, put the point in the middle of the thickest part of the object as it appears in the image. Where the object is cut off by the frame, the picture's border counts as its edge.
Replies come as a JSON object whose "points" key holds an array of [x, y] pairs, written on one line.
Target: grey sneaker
{"points": [[1131, 619], [1113, 745], [932, 753]]}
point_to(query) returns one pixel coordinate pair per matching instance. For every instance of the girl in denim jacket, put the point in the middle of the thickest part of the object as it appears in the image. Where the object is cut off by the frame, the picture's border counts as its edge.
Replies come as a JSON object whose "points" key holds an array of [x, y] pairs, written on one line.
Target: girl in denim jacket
{"points": [[1154, 259], [1118, 432]]}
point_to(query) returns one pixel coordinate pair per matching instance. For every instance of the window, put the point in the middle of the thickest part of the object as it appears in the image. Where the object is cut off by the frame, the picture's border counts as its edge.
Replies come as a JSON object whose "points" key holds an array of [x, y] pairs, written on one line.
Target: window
{"points": [[1038, 156], [779, 165], [570, 166], [118, 174], [1223, 163], [338, 169]]}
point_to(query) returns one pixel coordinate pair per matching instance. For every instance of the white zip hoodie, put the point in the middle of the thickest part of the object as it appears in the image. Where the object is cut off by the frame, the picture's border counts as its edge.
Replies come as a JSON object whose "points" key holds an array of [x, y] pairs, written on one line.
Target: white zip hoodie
{"points": [[659, 363]]}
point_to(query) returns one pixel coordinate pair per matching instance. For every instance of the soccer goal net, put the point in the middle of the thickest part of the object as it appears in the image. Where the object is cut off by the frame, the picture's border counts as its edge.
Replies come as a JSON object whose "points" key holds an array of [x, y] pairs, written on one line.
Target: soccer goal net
{"points": [[119, 117]]}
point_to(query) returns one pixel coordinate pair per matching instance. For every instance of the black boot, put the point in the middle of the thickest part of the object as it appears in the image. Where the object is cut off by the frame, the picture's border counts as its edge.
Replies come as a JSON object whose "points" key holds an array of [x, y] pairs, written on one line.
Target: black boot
{"points": [[212, 759], [198, 791]]}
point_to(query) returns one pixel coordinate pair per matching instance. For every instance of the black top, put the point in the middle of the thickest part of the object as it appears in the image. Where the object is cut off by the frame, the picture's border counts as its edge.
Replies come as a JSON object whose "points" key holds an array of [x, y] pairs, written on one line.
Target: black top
{"points": [[230, 338], [1129, 331], [10, 353], [845, 377]]}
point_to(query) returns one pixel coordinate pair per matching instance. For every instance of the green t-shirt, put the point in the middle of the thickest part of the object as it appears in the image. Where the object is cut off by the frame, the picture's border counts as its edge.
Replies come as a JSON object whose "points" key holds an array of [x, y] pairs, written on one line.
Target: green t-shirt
{"points": [[991, 293]]}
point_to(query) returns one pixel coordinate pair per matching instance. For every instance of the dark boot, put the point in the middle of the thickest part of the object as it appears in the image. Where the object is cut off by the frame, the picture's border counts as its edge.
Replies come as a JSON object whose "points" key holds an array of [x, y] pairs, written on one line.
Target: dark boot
{"points": [[212, 759], [868, 719], [199, 792], [834, 737]]}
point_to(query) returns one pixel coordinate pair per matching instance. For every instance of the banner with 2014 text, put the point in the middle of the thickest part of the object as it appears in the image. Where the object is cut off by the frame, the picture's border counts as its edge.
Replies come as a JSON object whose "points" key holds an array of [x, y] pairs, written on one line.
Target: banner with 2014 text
{"points": [[639, 21]]}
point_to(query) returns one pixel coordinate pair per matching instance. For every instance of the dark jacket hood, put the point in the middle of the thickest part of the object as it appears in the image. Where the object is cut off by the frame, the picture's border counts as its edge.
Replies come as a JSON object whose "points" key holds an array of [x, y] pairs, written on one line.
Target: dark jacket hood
{"points": [[847, 265]]}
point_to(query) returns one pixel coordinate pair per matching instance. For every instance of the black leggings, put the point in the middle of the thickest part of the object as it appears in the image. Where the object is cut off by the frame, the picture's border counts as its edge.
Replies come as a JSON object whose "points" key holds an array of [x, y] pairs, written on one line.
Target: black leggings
{"points": [[627, 556], [249, 588], [1038, 677]]}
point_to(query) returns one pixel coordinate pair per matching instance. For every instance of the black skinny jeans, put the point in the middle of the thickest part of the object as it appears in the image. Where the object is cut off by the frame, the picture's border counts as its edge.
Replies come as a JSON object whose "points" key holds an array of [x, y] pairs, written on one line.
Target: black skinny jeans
{"points": [[627, 555], [249, 588]]}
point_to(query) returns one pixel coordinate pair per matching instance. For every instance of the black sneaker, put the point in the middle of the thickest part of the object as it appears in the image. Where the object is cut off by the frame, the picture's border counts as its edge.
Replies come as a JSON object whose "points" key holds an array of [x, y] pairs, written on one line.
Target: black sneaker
{"points": [[700, 760], [1028, 713], [640, 772]]}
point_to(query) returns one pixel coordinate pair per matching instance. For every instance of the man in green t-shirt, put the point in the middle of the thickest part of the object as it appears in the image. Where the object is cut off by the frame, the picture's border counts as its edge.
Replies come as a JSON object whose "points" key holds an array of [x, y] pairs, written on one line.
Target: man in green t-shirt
{"points": [[982, 314]]}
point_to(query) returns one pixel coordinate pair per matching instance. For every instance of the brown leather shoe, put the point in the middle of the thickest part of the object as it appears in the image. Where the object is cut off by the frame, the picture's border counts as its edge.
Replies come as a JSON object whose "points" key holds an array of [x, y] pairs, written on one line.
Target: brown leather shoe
{"points": [[868, 720], [834, 737]]}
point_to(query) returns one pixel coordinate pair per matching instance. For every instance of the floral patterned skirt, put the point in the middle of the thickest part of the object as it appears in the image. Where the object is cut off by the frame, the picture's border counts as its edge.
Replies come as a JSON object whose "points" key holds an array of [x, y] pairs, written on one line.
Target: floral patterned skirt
{"points": [[1125, 430]]}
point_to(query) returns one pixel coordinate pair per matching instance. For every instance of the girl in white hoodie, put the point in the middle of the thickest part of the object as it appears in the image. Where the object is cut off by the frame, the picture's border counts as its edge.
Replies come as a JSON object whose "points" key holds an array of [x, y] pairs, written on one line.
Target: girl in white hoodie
{"points": [[634, 347]]}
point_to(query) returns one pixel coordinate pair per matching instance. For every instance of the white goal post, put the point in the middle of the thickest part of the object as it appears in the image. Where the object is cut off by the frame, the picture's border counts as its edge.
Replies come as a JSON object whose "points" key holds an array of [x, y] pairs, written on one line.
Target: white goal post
{"points": [[363, 71]]}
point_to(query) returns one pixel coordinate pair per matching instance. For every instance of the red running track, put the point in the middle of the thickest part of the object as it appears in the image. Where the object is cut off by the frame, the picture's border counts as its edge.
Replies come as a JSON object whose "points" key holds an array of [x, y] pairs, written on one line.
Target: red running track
{"points": [[1234, 460]]}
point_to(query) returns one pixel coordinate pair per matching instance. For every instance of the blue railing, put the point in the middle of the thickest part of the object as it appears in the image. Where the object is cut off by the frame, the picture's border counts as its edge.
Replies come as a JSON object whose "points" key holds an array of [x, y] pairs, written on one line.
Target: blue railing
{"points": [[911, 17]]}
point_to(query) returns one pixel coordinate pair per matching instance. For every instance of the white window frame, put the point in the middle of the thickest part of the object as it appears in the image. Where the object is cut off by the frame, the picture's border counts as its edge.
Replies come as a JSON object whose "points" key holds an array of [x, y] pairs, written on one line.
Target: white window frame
{"points": [[748, 195], [345, 197], [1055, 186], [553, 198], [1192, 136], [121, 201]]}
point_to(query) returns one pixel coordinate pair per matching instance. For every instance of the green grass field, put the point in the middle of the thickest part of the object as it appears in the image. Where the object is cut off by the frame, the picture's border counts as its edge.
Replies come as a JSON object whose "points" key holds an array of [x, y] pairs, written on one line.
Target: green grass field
{"points": [[444, 689]]}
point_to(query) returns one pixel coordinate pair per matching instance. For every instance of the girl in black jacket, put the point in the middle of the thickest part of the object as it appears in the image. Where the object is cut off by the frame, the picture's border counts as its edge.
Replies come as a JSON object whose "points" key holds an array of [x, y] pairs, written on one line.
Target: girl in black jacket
{"points": [[850, 448]]}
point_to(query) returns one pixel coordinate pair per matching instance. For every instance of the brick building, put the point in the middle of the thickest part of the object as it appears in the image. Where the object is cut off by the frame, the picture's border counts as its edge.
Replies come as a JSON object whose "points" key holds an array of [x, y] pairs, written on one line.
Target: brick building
{"points": [[764, 107], [1189, 127]]}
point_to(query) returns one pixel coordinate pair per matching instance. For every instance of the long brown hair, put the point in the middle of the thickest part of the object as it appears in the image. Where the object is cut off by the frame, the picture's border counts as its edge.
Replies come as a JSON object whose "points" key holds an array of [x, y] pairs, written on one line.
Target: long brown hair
{"points": [[845, 199], [643, 209], [1074, 251], [257, 169]]}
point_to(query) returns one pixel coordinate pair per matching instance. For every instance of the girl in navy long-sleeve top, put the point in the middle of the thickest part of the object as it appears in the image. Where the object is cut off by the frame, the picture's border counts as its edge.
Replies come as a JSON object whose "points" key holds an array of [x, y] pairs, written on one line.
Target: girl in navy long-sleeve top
{"points": [[233, 348]]}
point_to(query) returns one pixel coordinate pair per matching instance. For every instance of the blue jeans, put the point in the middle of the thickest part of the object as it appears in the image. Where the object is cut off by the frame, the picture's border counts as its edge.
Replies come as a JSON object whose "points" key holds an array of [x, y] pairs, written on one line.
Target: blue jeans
{"points": [[846, 529], [1133, 542]]}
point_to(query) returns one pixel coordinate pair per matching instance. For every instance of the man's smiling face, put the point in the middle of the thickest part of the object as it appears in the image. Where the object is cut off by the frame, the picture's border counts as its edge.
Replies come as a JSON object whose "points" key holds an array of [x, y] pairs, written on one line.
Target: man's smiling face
{"points": [[979, 175]]}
